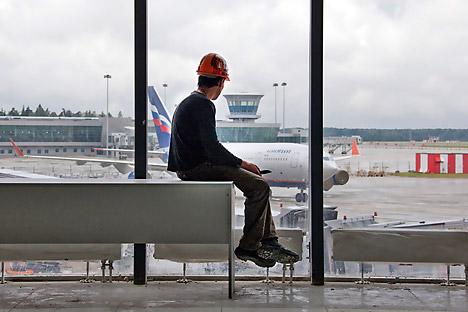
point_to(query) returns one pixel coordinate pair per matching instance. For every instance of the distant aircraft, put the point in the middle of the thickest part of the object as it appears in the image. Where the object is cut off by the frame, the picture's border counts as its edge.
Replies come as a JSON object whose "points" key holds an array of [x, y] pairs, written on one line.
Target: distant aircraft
{"points": [[123, 166], [9, 173]]}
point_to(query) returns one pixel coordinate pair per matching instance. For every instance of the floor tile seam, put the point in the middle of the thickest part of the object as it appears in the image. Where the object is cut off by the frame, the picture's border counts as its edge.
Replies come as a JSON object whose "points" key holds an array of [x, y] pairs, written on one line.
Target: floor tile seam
{"points": [[118, 306], [417, 298], [23, 300]]}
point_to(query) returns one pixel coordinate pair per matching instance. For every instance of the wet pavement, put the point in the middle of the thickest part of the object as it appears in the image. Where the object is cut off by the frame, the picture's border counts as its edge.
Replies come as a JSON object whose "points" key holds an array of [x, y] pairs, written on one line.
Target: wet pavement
{"points": [[402, 198], [212, 296]]}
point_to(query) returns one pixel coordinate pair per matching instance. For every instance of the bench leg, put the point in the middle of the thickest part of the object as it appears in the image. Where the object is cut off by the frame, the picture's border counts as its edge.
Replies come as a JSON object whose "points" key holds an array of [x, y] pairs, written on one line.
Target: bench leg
{"points": [[362, 281], [291, 273], [231, 270], [3, 272], [111, 268], [184, 279], [448, 282], [267, 280], [86, 279], [103, 270]]}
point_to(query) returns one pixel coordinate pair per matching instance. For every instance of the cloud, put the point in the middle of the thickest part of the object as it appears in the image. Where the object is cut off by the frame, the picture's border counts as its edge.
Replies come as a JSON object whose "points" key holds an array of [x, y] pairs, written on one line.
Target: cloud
{"points": [[396, 64], [388, 63]]}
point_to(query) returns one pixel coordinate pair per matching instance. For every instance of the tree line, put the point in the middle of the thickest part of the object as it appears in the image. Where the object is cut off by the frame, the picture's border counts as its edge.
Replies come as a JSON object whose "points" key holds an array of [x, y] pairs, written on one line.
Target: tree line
{"points": [[400, 134], [41, 112]]}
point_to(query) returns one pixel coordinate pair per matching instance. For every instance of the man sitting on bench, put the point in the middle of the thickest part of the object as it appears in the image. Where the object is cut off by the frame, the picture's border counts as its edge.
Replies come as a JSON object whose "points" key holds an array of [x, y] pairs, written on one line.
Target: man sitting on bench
{"points": [[195, 154]]}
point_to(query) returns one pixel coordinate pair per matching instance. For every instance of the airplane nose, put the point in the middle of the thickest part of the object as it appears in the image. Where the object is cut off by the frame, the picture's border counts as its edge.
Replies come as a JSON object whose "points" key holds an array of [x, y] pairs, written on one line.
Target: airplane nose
{"points": [[341, 177]]}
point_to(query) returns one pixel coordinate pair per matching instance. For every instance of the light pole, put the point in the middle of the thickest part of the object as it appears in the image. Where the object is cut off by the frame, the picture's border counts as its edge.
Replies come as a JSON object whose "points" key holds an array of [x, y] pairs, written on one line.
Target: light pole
{"points": [[165, 87], [284, 84], [107, 77], [275, 85]]}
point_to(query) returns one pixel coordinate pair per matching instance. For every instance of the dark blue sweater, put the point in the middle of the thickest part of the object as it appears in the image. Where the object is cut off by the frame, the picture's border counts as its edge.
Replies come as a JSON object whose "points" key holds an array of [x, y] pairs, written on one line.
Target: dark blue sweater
{"points": [[193, 139]]}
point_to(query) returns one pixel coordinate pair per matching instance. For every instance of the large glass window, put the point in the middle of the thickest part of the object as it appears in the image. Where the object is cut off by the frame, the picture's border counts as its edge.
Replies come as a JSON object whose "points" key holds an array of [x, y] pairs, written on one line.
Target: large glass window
{"points": [[385, 88], [61, 108]]}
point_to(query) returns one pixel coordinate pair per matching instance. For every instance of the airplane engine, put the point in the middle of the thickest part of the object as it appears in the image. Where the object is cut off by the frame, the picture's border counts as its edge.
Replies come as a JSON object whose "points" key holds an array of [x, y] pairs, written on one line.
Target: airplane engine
{"points": [[131, 175], [123, 168], [328, 184], [341, 177]]}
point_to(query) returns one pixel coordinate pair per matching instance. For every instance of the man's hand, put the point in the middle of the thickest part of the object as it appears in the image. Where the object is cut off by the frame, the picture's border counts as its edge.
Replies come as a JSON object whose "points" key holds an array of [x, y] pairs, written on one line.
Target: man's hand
{"points": [[250, 167]]}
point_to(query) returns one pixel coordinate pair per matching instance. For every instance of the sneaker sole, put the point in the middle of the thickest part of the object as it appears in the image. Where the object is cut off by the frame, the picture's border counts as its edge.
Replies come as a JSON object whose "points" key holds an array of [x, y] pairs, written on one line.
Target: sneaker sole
{"points": [[277, 255], [260, 264]]}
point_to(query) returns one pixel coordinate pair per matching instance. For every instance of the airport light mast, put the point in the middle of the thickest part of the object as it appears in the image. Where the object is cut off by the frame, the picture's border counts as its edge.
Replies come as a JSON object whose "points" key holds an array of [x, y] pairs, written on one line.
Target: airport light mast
{"points": [[165, 87], [284, 84], [275, 85], [107, 77]]}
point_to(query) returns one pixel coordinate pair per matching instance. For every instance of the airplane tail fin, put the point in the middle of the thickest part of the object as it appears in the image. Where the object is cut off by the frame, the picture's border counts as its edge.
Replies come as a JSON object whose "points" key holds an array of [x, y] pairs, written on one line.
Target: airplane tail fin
{"points": [[18, 150], [161, 119], [354, 149], [156, 101]]}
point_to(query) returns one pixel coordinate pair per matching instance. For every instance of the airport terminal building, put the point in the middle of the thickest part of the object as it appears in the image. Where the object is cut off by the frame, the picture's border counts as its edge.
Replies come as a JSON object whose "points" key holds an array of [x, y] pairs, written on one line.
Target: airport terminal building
{"points": [[56, 135]]}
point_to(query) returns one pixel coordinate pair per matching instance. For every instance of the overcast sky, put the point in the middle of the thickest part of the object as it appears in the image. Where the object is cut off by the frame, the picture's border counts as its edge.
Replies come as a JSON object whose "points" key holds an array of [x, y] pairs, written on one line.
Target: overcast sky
{"points": [[388, 63]]}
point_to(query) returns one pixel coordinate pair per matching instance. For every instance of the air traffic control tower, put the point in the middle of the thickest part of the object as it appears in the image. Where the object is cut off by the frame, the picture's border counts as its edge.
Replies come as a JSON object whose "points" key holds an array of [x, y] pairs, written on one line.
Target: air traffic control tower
{"points": [[242, 125], [243, 106]]}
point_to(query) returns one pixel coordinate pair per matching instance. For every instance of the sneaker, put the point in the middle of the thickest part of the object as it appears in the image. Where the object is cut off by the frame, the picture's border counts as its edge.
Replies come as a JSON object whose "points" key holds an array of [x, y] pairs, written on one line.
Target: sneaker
{"points": [[273, 250], [252, 255]]}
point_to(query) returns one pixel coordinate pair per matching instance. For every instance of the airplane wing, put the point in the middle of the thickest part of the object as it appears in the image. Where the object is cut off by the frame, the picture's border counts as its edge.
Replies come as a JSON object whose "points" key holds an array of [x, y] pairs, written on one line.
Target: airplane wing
{"points": [[128, 151], [157, 166], [354, 152], [123, 166], [342, 158]]}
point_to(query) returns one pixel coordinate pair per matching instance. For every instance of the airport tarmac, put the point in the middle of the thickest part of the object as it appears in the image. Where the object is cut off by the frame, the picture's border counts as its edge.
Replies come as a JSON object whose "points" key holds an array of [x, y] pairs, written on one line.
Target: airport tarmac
{"points": [[401, 198], [393, 198]]}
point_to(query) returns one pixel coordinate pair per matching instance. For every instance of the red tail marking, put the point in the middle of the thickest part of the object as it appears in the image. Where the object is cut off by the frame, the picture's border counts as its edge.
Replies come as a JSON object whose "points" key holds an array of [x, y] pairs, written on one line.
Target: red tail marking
{"points": [[18, 151], [354, 149]]}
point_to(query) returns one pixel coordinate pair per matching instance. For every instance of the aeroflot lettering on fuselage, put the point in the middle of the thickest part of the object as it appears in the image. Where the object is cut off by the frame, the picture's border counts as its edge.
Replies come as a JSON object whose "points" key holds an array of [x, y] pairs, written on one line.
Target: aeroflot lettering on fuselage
{"points": [[283, 151]]}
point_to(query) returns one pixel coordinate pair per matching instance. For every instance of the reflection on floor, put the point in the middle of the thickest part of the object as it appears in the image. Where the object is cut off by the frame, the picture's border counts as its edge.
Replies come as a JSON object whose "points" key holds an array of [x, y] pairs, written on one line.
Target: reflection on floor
{"points": [[212, 296]]}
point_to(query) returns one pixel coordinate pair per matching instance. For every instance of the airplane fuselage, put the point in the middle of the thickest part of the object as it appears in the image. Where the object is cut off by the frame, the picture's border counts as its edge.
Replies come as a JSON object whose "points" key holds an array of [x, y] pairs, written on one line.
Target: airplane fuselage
{"points": [[288, 162]]}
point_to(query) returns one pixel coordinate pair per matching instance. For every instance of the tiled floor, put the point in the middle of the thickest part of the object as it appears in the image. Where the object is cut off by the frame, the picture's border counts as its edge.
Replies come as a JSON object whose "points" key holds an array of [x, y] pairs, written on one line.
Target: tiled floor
{"points": [[212, 296]]}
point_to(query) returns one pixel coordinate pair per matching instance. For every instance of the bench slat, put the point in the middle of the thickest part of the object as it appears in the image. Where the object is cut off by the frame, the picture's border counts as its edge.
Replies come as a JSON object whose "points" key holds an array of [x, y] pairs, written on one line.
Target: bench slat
{"points": [[393, 245], [113, 213], [81, 252]]}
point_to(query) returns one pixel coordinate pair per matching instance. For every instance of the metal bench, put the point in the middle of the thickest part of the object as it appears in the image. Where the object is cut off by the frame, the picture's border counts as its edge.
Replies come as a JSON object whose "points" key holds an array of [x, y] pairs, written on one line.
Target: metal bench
{"points": [[116, 212], [402, 246], [106, 253], [291, 238]]}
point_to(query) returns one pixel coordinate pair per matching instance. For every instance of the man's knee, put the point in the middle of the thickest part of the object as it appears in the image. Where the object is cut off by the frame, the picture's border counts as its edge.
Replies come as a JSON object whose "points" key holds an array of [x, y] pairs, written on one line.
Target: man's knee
{"points": [[263, 186], [250, 183]]}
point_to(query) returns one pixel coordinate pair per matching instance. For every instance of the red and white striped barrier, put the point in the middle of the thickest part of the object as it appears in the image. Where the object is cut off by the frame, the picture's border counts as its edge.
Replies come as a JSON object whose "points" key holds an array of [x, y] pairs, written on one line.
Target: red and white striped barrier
{"points": [[442, 162]]}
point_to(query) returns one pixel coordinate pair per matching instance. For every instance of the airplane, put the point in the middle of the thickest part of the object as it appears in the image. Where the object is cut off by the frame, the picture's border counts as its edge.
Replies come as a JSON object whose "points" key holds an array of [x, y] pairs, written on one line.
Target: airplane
{"points": [[287, 162]]}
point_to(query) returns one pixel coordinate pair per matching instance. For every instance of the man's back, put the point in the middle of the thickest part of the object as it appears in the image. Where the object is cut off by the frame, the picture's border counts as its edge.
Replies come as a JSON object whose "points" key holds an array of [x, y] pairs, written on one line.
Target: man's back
{"points": [[194, 140]]}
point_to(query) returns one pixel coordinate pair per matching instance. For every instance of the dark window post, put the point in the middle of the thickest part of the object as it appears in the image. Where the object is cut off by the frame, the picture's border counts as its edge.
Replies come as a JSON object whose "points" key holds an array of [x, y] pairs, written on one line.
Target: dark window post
{"points": [[316, 141], [141, 113]]}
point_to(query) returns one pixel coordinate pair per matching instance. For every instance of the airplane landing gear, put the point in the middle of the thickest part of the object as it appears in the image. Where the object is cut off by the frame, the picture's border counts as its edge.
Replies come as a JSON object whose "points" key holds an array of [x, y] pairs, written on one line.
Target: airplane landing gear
{"points": [[301, 197]]}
